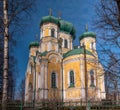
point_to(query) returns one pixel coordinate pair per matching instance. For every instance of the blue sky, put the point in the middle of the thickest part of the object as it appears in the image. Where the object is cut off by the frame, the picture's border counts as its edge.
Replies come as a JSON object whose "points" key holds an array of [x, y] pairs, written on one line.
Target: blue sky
{"points": [[78, 12]]}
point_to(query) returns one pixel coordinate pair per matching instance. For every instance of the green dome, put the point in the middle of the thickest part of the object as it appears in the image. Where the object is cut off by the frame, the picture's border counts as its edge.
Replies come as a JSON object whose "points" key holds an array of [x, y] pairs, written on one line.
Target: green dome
{"points": [[67, 27], [51, 19], [76, 52], [87, 34], [33, 44], [63, 25]]}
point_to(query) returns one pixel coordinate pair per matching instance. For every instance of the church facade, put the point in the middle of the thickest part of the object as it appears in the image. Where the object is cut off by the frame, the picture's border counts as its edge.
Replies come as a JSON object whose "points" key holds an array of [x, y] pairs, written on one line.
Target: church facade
{"points": [[58, 71]]}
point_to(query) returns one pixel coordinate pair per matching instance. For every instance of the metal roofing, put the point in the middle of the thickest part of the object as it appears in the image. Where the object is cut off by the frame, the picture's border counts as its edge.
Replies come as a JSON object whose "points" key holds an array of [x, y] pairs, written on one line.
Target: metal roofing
{"points": [[87, 34], [76, 52]]}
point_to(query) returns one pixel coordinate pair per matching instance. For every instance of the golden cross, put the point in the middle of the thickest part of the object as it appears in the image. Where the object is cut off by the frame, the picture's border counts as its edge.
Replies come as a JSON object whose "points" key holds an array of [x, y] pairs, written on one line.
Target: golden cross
{"points": [[59, 14], [50, 12], [86, 28]]}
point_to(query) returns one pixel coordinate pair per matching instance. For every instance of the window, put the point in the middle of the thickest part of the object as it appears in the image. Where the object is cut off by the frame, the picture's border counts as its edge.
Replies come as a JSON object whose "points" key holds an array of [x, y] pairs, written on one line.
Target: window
{"points": [[66, 43], [53, 32], [53, 80], [71, 79], [92, 45], [92, 78]]}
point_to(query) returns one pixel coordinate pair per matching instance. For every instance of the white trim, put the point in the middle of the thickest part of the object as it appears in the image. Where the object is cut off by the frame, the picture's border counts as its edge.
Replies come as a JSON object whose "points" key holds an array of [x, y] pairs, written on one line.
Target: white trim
{"points": [[43, 33], [68, 43], [56, 33], [94, 45], [68, 75], [42, 81]]}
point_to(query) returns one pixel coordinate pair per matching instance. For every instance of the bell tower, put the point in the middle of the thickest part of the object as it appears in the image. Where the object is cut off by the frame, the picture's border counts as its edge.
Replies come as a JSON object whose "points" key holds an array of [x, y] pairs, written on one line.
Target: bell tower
{"points": [[49, 33]]}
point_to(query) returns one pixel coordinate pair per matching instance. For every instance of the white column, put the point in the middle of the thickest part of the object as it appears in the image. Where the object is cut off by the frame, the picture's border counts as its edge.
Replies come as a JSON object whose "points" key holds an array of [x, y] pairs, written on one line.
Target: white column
{"points": [[49, 46], [43, 33], [82, 78], [46, 86], [64, 92], [42, 81], [26, 88], [63, 42], [39, 81], [103, 87], [68, 43]]}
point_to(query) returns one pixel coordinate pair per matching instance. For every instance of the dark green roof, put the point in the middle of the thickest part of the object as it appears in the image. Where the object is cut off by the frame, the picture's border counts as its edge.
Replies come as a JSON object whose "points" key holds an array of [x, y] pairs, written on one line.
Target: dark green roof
{"points": [[33, 44], [87, 34], [44, 53], [63, 25], [67, 27], [47, 19], [76, 52]]}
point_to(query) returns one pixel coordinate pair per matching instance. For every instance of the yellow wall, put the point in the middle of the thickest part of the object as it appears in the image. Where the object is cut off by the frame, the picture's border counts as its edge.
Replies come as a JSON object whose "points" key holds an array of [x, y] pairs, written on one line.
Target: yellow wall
{"points": [[54, 67], [75, 66]]}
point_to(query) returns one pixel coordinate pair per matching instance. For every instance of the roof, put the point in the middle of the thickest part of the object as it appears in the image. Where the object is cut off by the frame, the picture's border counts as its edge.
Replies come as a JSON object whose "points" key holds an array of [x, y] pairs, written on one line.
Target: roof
{"points": [[67, 27], [44, 53], [64, 26], [34, 44], [76, 52], [87, 34], [51, 19]]}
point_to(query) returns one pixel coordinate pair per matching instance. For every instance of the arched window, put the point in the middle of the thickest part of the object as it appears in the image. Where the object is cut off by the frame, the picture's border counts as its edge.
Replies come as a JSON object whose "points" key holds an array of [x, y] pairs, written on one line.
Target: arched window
{"points": [[71, 75], [53, 32], [92, 78], [53, 80], [92, 45], [66, 43]]}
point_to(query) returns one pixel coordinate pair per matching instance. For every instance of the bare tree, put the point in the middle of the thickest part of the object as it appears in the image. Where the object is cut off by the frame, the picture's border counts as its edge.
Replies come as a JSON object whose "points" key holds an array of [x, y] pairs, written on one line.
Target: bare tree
{"points": [[107, 24], [11, 17], [21, 92]]}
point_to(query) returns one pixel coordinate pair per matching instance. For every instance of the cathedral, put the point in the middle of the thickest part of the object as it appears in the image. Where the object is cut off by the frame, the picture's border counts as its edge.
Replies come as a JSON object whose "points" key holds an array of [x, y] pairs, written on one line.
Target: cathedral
{"points": [[58, 71]]}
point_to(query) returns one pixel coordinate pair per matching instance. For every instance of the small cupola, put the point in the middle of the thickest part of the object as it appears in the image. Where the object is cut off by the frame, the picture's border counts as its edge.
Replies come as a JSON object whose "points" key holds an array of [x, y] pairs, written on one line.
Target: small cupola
{"points": [[88, 39], [49, 26]]}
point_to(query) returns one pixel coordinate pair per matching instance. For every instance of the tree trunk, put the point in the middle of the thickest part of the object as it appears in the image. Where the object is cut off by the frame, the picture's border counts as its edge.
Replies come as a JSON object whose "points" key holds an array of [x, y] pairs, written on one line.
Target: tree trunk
{"points": [[5, 66]]}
